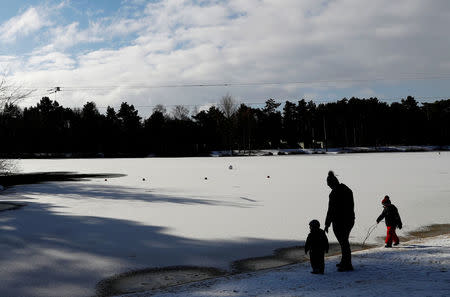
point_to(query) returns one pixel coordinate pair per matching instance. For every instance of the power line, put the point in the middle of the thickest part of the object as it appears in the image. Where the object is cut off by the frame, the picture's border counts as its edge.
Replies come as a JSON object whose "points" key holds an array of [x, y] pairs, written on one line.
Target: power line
{"points": [[236, 84]]}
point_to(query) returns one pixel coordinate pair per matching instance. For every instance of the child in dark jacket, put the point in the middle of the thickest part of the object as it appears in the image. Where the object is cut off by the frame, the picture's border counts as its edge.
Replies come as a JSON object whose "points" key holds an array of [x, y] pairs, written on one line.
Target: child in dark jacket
{"points": [[392, 219], [317, 245]]}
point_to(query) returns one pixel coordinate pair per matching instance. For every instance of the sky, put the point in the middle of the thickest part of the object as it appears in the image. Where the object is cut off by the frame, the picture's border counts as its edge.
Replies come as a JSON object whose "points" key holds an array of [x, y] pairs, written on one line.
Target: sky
{"points": [[194, 52]]}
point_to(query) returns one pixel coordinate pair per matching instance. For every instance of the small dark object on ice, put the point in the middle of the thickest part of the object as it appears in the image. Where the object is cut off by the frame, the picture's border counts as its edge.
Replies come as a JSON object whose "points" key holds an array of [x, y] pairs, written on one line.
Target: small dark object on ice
{"points": [[143, 179], [230, 167], [106, 179], [206, 178], [268, 176]]}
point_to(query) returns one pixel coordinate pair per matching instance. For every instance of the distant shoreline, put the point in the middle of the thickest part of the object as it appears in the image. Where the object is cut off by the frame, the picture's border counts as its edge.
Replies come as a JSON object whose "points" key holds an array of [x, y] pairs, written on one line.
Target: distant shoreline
{"points": [[236, 153]]}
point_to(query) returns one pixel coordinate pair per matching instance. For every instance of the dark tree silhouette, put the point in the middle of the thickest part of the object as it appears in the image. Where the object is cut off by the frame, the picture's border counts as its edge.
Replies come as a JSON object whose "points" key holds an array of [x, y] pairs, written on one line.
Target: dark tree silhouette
{"points": [[49, 129]]}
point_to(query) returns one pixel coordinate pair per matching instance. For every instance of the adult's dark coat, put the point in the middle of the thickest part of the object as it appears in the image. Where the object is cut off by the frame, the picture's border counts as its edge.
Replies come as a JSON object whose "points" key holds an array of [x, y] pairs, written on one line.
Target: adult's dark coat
{"points": [[340, 207], [342, 215]]}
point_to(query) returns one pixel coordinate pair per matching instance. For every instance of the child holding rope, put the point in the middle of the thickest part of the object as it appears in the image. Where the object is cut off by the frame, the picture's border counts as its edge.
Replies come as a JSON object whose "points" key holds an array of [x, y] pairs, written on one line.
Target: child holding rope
{"points": [[392, 219]]}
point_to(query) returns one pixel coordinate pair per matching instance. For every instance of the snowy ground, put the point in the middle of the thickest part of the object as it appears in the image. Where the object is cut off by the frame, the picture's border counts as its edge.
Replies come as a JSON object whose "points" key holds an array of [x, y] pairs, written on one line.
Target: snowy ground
{"points": [[73, 234], [417, 268]]}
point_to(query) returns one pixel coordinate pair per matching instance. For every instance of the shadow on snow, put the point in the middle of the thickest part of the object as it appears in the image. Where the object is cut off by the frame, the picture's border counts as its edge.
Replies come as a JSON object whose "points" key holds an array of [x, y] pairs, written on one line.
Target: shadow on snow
{"points": [[48, 254], [114, 192]]}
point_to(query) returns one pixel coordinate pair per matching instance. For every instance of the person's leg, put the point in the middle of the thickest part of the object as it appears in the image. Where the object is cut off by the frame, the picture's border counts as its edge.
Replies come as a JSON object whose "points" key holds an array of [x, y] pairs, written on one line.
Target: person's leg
{"points": [[315, 262], [389, 236], [346, 251], [342, 233], [395, 238], [311, 260], [321, 263], [338, 233]]}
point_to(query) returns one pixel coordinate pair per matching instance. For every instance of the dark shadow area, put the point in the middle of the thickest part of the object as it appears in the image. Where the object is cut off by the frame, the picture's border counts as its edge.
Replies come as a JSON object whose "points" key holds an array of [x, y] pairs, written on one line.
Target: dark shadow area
{"points": [[109, 190], [9, 205], [416, 246], [48, 254], [40, 177]]}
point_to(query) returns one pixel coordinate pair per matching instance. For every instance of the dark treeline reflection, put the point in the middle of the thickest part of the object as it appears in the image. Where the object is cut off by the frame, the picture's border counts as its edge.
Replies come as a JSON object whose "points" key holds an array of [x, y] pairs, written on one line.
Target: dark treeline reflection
{"points": [[49, 127]]}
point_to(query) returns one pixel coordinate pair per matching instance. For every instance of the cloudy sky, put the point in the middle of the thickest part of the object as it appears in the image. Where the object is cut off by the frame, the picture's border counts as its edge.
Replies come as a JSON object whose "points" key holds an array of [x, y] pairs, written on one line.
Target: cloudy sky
{"points": [[192, 52]]}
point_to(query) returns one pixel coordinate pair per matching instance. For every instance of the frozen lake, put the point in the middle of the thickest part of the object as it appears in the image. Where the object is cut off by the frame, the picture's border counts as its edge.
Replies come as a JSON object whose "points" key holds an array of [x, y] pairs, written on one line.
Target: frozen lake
{"points": [[76, 233]]}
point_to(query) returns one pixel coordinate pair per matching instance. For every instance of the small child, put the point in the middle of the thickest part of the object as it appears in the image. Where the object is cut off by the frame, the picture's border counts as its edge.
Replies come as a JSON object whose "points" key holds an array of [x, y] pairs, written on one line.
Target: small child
{"points": [[392, 219], [317, 245]]}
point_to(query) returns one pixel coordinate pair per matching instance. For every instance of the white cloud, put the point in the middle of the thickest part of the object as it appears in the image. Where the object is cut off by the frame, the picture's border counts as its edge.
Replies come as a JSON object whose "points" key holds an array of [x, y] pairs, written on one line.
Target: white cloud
{"points": [[70, 35], [179, 42], [50, 61], [28, 22]]}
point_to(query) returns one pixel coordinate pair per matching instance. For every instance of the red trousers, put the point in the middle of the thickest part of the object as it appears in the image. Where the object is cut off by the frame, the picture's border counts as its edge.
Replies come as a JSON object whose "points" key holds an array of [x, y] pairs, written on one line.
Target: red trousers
{"points": [[391, 236]]}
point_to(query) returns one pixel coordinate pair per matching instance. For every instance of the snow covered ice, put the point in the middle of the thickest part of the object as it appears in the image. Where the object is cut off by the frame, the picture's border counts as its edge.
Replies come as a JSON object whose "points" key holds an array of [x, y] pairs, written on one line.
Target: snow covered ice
{"points": [[73, 234]]}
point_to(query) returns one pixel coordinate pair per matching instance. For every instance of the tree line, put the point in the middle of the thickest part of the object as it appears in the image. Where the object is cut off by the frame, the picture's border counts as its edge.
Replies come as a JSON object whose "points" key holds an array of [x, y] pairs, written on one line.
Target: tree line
{"points": [[49, 127]]}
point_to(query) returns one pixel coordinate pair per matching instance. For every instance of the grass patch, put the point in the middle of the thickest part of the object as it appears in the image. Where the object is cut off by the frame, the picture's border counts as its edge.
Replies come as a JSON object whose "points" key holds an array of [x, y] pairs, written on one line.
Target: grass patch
{"points": [[429, 231]]}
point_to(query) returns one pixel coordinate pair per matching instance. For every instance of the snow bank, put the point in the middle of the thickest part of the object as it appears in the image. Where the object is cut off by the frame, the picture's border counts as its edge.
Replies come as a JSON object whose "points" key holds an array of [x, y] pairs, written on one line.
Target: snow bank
{"points": [[417, 268]]}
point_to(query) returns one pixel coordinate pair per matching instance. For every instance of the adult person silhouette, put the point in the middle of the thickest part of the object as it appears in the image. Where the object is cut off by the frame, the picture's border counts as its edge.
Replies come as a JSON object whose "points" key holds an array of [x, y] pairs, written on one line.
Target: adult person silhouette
{"points": [[342, 215]]}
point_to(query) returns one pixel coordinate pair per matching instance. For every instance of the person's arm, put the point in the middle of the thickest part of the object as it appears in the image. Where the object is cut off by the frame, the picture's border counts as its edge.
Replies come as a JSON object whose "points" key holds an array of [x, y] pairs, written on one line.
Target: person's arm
{"points": [[330, 214], [382, 215], [307, 243], [327, 246]]}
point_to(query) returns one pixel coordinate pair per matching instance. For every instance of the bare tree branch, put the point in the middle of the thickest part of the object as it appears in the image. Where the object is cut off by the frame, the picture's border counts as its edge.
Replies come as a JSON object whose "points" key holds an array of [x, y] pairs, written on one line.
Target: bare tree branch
{"points": [[180, 112], [7, 166], [160, 108], [228, 105], [11, 93]]}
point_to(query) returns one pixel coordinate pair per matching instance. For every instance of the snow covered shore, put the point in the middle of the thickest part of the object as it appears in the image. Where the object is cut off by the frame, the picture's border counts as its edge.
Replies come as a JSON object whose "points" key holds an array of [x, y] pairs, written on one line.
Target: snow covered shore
{"points": [[415, 268]]}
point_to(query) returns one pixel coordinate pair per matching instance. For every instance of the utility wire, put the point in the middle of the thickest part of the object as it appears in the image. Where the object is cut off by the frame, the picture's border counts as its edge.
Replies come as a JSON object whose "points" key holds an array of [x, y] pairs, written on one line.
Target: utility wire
{"points": [[69, 88]]}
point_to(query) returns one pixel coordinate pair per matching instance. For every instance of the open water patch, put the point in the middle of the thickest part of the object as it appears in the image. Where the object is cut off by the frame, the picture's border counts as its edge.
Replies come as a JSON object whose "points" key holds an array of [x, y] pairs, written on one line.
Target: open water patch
{"points": [[154, 278]]}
